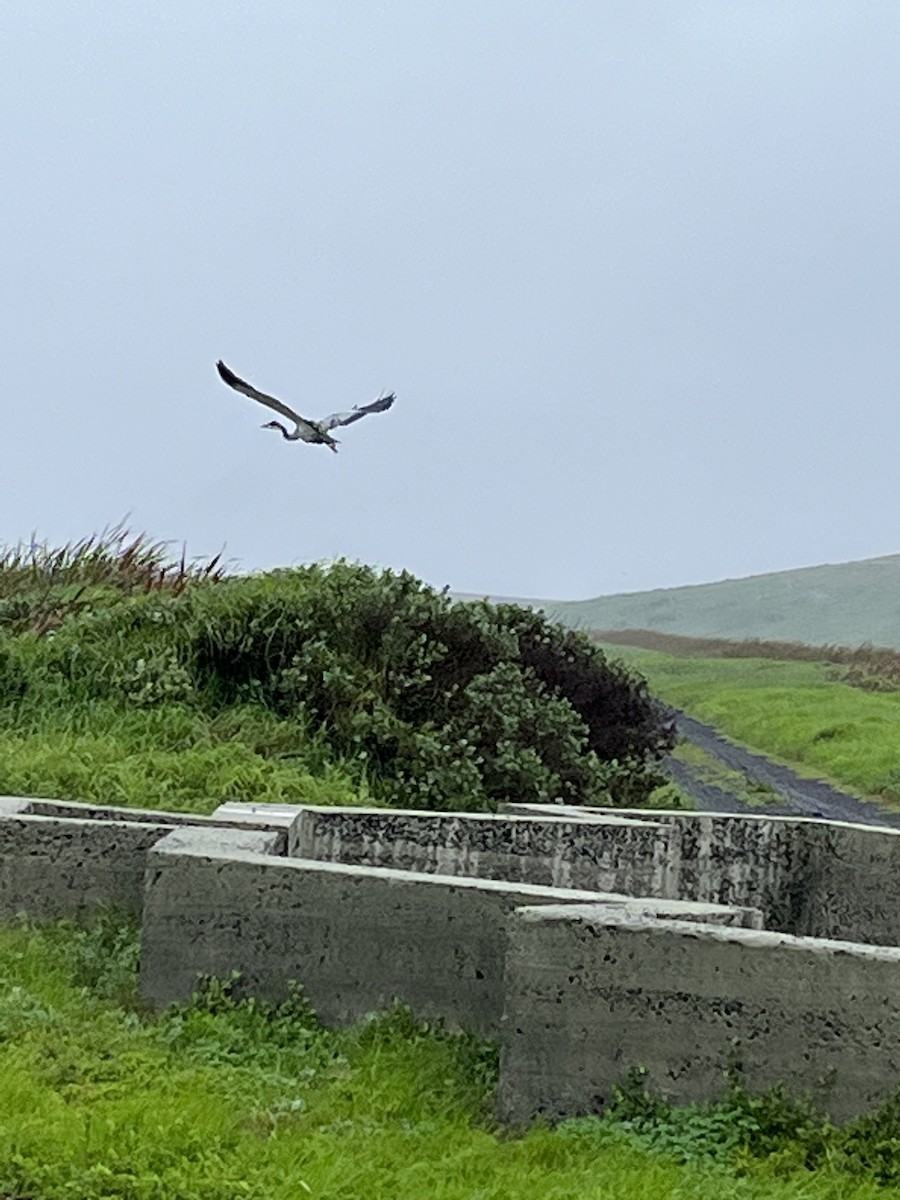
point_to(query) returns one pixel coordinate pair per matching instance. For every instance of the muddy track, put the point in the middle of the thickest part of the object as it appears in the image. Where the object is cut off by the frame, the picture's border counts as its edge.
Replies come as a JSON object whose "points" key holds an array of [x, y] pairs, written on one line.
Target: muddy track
{"points": [[796, 796]]}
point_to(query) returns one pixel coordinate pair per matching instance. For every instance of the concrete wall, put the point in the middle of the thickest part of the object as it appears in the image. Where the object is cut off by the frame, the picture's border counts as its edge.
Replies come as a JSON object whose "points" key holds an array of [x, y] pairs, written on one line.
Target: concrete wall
{"points": [[60, 867], [591, 994], [54, 866], [609, 854], [852, 880], [355, 937], [811, 878], [721, 859], [582, 982], [242, 816]]}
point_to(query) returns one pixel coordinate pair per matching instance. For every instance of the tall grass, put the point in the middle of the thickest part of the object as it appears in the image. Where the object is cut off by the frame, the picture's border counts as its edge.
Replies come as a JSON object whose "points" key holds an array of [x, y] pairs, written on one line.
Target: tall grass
{"points": [[171, 757], [40, 584]]}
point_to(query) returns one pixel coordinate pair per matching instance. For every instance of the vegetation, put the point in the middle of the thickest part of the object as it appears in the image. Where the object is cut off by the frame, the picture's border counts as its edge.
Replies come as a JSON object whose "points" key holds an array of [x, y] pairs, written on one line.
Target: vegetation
{"points": [[220, 1099], [130, 678], [708, 769], [41, 585], [866, 667], [794, 711], [845, 604]]}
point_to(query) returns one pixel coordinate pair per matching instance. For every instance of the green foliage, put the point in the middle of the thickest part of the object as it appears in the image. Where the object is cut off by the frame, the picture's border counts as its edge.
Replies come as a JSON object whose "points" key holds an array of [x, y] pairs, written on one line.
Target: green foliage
{"points": [[41, 586], [421, 701], [227, 1097], [792, 711], [773, 1127], [13, 673]]}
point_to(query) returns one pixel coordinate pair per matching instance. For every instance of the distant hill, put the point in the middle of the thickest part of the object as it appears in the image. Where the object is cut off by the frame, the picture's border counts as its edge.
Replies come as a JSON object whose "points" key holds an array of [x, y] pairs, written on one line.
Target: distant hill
{"points": [[841, 604]]}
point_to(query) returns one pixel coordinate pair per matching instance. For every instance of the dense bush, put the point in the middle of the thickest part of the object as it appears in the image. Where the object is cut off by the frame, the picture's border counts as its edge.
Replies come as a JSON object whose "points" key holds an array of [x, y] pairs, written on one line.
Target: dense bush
{"points": [[434, 703]]}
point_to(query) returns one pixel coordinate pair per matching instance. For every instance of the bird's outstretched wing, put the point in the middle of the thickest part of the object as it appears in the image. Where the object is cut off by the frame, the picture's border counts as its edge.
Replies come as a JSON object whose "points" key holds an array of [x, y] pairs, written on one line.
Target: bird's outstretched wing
{"points": [[247, 389], [382, 404]]}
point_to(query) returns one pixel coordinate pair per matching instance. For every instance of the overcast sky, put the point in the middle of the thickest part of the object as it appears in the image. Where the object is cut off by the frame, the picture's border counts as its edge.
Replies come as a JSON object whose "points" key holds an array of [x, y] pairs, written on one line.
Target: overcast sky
{"points": [[630, 267]]}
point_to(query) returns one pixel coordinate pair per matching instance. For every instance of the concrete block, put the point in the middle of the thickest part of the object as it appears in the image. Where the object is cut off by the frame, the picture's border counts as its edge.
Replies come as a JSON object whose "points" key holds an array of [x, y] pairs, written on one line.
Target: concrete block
{"points": [[155, 816], [811, 878], [272, 816], [356, 938], [606, 854], [591, 996], [851, 882], [60, 867]]}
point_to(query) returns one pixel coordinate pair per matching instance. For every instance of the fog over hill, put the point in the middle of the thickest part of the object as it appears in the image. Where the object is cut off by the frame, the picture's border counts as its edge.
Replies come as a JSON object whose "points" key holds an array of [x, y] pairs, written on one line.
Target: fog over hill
{"points": [[844, 603]]}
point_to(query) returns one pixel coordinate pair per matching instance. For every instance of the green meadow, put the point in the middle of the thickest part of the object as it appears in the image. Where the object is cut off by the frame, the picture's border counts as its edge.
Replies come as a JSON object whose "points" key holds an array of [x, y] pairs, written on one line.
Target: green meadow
{"points": [[128, 679], [217, 1100], [798, 712]]}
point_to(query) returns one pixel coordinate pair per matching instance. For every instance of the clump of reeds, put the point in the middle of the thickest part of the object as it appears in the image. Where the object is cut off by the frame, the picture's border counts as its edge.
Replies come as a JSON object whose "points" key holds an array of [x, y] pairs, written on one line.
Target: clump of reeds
{"points": [[41, 584]]}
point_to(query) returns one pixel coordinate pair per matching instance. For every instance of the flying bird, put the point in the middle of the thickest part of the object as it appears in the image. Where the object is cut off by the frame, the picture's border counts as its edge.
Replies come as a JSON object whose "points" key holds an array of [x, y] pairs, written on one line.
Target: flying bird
{"points": [[304, 429]]}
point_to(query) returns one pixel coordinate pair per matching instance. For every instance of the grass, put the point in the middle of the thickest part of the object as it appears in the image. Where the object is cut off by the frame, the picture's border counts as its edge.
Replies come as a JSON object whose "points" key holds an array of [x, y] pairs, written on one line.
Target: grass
{"points": [[219, 1099], [793, 711], [173, 757], [866, 666], [844, 604], [709, 769]]}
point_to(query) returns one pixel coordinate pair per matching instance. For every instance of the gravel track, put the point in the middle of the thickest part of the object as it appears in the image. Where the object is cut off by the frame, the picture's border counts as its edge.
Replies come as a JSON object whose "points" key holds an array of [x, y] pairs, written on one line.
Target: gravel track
{"points": [[799, 796]]}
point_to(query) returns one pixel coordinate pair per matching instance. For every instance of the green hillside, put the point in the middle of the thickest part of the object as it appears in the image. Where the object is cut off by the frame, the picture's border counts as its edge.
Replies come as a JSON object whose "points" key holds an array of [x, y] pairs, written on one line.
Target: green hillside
{"points": [[845, 604]]}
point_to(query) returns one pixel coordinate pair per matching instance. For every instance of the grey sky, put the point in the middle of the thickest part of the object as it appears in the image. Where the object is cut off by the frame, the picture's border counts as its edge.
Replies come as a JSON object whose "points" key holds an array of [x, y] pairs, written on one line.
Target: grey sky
{"points": [[631, 268]]}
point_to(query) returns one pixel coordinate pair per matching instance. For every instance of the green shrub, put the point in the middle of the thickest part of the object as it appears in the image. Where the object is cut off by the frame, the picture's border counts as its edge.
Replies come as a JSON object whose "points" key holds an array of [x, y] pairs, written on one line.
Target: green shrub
{"points": [[424, 701]]}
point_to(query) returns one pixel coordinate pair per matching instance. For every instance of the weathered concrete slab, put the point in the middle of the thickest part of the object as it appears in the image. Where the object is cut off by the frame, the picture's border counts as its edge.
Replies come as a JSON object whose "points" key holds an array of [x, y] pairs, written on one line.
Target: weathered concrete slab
{"points": [[10, 805], [851, 882], [55, 867], [258, 819], [601, 853], [355, 937], [591, 994], [719, 859], [270, 816], [810, 877]]}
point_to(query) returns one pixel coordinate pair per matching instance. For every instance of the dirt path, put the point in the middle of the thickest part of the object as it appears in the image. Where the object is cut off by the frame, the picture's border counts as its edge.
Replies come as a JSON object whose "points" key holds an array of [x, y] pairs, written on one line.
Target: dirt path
{"points": [[799, 796]]}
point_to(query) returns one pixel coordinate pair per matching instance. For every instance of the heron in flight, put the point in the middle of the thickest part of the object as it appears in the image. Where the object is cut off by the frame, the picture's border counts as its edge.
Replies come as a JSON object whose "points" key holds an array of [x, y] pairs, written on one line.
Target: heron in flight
{"points": [[304, 430]]}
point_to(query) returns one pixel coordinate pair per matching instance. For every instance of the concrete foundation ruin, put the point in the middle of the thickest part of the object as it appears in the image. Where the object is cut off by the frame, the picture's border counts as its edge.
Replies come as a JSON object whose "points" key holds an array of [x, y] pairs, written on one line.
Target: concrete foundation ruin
{"points": [[587, 942]]}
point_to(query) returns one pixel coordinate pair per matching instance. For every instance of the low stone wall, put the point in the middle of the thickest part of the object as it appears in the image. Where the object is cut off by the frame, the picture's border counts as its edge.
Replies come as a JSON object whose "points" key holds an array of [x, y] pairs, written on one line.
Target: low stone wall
{"points": [[591, 993], [61, 860], [608, 853], [357, 938], [589, 942], [810, 878]]}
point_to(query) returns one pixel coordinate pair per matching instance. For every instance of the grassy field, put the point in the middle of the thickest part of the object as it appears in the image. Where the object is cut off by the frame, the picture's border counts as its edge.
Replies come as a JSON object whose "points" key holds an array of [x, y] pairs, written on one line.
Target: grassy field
{"points": [[794, 711], [844, 604], [172, 756], [220, 1100]]}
